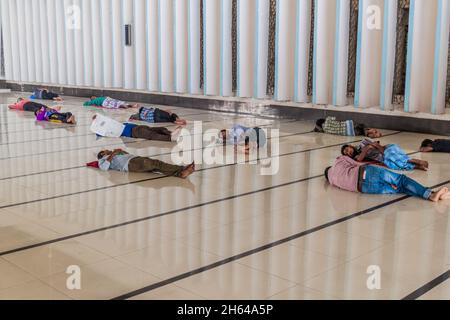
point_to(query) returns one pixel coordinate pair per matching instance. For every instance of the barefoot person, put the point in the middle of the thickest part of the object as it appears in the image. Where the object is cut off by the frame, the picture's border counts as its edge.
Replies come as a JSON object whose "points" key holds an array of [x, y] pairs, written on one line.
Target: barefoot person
{"points": [[242, 137], [156, 115], [107, 127], [350, 175], [30, 106], [345, 128], [51, 115], [439, 145], [391, 155], [108, 103], [123, 161], [45, 94]]}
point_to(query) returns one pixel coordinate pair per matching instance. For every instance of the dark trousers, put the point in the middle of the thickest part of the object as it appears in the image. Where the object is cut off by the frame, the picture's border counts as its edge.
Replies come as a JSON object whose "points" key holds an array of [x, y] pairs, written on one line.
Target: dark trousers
{"points": [[33, 106], [164, 116], [47, 95], [142, 164], [148, 133], [60, 117]]}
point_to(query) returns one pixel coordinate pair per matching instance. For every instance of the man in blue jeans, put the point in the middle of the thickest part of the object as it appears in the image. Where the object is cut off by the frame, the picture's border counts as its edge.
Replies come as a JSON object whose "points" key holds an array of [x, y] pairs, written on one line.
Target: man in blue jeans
{"points": [[351, 175]]}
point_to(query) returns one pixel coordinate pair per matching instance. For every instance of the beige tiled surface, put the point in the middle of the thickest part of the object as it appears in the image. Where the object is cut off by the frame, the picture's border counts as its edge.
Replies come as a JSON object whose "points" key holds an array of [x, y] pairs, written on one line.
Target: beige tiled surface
{"points": [[179, 226]]}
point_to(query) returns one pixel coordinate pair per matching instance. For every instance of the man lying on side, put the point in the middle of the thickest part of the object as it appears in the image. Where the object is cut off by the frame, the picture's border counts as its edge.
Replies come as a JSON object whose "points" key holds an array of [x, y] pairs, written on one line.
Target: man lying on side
{"points": [[350, 175], [345, 128]]}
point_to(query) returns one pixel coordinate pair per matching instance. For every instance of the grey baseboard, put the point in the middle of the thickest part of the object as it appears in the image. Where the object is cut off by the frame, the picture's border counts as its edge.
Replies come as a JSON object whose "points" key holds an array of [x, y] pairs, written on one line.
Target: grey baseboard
{"points": [[273, 110]]}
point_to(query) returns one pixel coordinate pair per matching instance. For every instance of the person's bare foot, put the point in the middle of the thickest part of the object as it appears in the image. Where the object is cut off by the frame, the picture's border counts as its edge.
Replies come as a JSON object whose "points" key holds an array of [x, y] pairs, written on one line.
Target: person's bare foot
{"points": [[71, 120], [190, 169], [436, 195], [181, 122], [421, 167], [445, 196]]}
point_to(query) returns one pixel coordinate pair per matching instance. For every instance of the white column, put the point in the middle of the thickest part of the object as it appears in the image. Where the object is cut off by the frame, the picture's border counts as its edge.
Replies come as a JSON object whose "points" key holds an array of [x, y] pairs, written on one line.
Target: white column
{"points": [[369, 53], [45, 51], [152, 45], [30, 39], [340, 73], [118, 43], [226, 51], [87, 43], [211, 43], [140, 44], [70, 41], [388, 55], [166, 54], [421, 55], [194, 47], [181, 45], [246, 46], [302, 49], [22, 41], [107, 42], [61, 42], [14, 43], [78, 44], [97, 42], [37, 38], [7, 43], [261, 48], [285, 49], [128, 54], [440, 58], [324, 48]]}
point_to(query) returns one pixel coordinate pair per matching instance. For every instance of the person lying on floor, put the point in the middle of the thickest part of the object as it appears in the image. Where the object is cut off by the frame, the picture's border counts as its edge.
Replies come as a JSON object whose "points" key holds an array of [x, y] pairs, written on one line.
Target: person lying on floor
{"points": [[345, 128], [156, 115], [244, 138], [51, 115], [350, 175], [123, 161], [391, 155], [30, 106], [107, 127], [439, 145], [109, 103], [45, 94]]}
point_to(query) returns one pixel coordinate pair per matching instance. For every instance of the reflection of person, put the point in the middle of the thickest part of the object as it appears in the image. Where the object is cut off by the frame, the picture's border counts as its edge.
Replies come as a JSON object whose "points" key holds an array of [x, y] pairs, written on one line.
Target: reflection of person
{"points": [[351, 175], [107, 102], [121, 160], [156, 115], [390, 155], [131, 130], [243, 137], [30, 106], [51, 115], [45, 94], [345, 128], [439, 145]]}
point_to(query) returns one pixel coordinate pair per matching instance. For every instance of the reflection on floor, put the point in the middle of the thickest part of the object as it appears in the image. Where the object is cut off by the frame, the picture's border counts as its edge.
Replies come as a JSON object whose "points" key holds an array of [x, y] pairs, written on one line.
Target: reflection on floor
{"points": [[128, 233]]}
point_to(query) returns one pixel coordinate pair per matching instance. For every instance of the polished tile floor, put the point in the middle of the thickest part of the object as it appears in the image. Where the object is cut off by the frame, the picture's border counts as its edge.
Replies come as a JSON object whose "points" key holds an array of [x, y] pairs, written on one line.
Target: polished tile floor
{"points": [[227, 232]]}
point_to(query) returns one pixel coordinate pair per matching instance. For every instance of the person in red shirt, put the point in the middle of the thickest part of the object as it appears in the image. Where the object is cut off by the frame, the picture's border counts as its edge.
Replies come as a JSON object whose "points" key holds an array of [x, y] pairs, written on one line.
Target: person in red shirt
{"points": [[30, 106]]}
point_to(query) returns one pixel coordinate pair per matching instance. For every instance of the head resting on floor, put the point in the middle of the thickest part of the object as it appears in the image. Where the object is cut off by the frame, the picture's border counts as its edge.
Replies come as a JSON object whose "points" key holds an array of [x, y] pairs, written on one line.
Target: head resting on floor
{"points": [[326, 173]]}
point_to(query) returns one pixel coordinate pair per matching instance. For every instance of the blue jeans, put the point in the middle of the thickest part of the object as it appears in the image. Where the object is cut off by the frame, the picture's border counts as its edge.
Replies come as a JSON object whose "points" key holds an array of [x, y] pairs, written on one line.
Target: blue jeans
{"points": [[382, 181]]}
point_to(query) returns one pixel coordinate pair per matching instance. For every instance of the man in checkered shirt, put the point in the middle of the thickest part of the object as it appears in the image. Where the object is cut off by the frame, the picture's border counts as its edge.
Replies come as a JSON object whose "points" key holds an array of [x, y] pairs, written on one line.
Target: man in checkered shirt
{"points": [[345, 128]]}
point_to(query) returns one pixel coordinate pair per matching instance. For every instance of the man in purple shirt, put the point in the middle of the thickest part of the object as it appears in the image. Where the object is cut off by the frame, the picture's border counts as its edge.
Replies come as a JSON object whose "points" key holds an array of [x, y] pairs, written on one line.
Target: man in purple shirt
{"points": [[351, 175]]}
